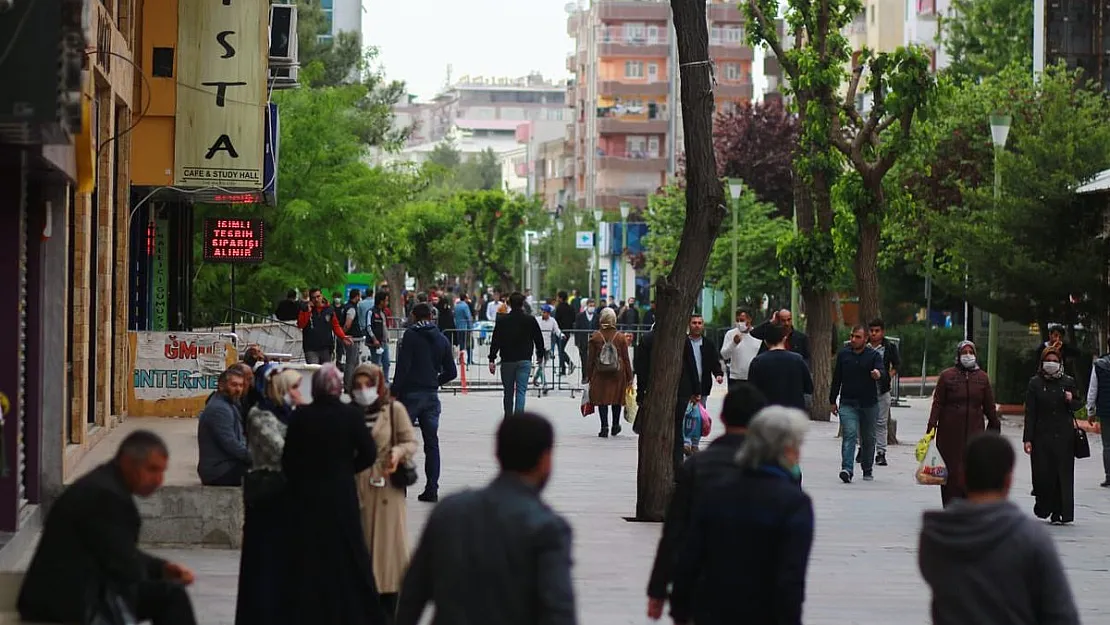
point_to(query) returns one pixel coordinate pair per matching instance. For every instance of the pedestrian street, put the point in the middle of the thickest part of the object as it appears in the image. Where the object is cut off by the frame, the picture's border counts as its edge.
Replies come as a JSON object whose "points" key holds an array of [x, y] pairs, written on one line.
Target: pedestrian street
{"points": [[863, 568]]}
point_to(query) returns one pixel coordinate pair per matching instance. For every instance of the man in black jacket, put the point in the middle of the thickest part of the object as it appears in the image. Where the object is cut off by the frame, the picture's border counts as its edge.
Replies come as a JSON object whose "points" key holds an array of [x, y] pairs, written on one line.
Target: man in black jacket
{"points": [[89, 546], [855, 373], [584, 325], [701, 364], [499, 555], [892, 360], [424, 363], [515, 336], [795, 341], [698, 473], [565, 317]]}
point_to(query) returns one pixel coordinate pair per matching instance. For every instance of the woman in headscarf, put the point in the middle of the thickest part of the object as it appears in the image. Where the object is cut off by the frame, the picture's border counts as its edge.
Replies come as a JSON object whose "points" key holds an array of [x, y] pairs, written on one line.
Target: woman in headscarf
{"points": [[331, 581], [382, 500], [1050, 404], [963, 402], [262, 567], [608, 379]]}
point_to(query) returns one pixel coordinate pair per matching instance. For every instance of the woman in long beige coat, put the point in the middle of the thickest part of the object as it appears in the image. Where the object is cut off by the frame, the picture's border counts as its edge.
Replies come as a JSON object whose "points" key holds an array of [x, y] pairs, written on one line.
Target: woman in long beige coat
{"points": [[382, 504], [607, 388]]}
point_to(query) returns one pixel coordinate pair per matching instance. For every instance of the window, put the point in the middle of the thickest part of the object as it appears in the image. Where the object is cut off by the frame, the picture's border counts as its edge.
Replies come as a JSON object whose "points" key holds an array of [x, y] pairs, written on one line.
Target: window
{"points": [[635, 33], [715, 35], [653, 147], [633, 69], [732, 71], [871, 10], [636, 147], [653, 72], [734, 35], [653, 34]]}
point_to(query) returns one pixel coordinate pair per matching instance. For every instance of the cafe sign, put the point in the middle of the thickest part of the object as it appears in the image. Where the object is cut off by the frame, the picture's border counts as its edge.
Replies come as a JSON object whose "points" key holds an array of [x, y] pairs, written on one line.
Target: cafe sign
{"points": [[221, 93]]}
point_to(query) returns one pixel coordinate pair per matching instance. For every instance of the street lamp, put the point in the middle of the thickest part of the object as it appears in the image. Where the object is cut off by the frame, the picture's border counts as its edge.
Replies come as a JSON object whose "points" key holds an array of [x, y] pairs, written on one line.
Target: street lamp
{"points": [[735, 188], [1000, 131], [626, 209], [578, 219], [598, 214]]}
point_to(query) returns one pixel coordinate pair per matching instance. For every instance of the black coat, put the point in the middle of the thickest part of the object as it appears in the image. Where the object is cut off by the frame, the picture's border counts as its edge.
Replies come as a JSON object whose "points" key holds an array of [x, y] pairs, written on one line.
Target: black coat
{"points": [[689, 384], [1050, 427], [799, 342], [746, 553], [584, 329], [90, 537], [332, 581]]}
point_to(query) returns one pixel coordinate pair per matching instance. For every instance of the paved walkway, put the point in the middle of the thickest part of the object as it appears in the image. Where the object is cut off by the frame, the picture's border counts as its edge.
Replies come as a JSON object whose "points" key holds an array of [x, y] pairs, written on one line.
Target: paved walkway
{"points": [[863, 568]]}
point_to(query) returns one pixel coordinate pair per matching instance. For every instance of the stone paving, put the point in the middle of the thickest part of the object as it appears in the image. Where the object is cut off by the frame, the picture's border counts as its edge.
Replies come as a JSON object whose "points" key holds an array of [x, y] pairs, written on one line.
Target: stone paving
{"points": [[863, 568]]}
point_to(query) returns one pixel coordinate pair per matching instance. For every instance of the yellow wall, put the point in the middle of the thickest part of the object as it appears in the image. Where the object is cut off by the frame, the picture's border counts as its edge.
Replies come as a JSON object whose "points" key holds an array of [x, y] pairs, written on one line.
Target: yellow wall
{"points": [[152, 139]]}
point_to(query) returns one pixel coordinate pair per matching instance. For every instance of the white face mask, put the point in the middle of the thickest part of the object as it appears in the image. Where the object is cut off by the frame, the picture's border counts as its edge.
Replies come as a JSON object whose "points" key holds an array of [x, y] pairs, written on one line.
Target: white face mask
{"points": [[742, 326], [288, 399], [967, 360], [1050, 367], [590, 310], [365, 396]]}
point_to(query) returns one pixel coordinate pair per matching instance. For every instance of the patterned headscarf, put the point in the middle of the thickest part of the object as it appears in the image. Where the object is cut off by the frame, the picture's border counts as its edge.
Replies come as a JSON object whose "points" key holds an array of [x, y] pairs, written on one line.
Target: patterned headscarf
{"points": [[1052, 349], [960, 349], [327, 380]]}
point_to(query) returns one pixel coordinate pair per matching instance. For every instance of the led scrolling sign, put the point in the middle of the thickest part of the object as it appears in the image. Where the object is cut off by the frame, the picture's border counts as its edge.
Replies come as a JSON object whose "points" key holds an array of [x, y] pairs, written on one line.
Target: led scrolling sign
{"points": [[234, 240]]}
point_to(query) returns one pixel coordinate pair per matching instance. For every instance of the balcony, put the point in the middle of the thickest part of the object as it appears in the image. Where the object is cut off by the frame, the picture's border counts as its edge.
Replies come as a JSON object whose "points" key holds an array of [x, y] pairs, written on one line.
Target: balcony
{"points": [[734, 91], [612, 198], [572, 64], [629, 163], [730, 52], [640, 49], [573, 22], [728, 13], [631, 10], [633, 124], [621, 88]]}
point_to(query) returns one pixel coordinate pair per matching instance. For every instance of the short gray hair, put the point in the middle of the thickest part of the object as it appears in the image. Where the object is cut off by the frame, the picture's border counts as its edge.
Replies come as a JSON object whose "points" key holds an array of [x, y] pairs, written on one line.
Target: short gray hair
{"points": [[773, 430], [140, 444]]}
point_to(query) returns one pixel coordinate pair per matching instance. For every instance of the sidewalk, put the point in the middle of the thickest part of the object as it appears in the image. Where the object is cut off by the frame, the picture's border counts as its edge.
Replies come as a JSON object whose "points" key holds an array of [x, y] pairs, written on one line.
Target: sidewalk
{"points": [[864, 564]]}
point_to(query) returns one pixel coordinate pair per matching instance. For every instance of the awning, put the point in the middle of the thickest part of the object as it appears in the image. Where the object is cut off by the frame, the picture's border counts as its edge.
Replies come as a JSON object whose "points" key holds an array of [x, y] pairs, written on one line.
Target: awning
{"points": [[1099, 184]]}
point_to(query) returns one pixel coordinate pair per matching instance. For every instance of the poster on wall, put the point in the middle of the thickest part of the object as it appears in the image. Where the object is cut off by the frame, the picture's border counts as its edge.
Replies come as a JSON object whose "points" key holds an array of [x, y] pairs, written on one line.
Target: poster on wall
{"points": [[174, 372], [221, 94]]}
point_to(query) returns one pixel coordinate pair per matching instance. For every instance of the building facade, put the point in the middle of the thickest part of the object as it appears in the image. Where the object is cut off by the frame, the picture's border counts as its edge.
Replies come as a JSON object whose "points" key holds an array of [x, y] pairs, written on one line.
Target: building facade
{"points": [[626, 134], [343, 16], [1073, 31], [923, 28]]}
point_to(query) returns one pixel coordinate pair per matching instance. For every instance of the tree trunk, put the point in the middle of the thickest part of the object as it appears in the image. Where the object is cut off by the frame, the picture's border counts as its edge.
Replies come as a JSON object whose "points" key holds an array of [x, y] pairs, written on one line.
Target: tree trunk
{"points": [[677, 291], [867, 266], [395, 275], [819, 324]]}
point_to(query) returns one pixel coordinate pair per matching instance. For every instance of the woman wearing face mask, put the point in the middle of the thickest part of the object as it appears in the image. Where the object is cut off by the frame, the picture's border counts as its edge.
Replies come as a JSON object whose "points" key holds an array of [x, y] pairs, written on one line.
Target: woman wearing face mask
{"points": [[381, 499], [963, 403], [262, 570], [730, 524], [1050, 404]]}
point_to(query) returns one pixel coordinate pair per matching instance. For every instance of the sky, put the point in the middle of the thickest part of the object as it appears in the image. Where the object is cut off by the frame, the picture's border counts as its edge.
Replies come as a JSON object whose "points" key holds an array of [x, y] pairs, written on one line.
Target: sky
{"points": [[418, 39]]}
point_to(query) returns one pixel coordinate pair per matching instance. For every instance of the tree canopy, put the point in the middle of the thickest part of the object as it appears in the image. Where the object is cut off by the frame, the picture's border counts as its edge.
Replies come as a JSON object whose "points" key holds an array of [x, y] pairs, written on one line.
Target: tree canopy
{"points": [[757, 143], [983, 37]]}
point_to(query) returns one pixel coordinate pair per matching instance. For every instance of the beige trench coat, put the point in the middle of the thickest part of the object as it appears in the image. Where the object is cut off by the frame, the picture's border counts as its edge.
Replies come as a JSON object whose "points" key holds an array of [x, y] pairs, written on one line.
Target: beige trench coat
{"points": [[383, 507]]}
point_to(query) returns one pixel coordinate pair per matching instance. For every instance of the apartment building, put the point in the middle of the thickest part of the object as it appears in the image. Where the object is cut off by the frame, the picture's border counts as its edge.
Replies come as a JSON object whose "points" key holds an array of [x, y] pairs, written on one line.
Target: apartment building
{"points": [[1072, 31], [342, 16], [626, 135], [922, 27]]}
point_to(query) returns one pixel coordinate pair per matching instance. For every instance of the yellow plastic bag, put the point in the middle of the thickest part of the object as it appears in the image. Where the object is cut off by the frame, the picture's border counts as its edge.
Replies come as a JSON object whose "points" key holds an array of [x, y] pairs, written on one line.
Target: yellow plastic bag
{"points": [[630, 407], [932, 470], [923, 445]]}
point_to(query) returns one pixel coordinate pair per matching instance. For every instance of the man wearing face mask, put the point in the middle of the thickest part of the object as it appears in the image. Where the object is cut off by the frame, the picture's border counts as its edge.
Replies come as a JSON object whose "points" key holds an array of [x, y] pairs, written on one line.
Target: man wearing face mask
{"points": [[739, 348], [475, 529]]}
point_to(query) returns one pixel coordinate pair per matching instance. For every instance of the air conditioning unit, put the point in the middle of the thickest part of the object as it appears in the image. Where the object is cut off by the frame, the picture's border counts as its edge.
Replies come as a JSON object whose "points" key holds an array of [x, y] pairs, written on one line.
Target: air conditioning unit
{"points": [[284, 77], [283, 35]]}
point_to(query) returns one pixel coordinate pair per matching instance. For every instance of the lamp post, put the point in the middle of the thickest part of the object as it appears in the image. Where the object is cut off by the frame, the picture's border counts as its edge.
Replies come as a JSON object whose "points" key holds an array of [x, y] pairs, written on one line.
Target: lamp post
{"points": [[1000, 130], [559, 225], [626, 209], [735, 188], [598, 214], [578, 224]]}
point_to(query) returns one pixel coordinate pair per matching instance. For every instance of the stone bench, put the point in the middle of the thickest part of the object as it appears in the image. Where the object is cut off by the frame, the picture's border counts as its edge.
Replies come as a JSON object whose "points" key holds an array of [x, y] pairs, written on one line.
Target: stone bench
{"points": [[10, 582], [193, 515]]}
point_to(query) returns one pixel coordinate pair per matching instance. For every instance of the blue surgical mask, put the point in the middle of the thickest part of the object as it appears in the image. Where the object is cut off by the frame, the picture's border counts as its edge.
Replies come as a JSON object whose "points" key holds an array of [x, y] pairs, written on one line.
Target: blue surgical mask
{"points": [[796, 472]]}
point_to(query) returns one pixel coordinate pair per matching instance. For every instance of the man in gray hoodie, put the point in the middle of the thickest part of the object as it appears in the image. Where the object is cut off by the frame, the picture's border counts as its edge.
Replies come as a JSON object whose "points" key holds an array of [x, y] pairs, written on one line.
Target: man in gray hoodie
{"points": [[985, 560]]}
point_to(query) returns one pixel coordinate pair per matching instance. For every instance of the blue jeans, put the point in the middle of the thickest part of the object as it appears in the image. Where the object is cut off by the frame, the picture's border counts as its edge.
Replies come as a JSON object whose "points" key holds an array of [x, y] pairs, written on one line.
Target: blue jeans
{"points": [[424, 409], [514, 381], [382, 360], [857, 422]]}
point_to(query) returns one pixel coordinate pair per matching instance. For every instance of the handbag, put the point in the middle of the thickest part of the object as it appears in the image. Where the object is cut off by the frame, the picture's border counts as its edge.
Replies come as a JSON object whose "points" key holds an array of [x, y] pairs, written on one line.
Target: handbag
{"points": [[107, 607], [261, 485], [405, 475], [1082, 445]]}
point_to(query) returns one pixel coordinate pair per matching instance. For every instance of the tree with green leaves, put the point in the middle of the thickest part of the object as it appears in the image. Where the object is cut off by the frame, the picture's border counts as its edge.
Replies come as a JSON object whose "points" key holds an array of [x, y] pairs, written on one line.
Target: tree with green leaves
{"points": [[757, 239], [480, 172], [983, 37], [1038, 253], [493, 230]]}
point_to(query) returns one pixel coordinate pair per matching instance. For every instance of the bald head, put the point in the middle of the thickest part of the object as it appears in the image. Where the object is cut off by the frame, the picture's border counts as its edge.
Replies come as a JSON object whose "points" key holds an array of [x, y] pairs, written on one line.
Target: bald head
{"points": [[786, 318]]}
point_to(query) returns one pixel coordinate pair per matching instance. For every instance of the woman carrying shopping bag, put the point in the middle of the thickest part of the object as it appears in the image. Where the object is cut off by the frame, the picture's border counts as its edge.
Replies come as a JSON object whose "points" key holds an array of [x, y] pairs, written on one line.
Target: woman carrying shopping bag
{"points": [[963, 403], [608, 371]]}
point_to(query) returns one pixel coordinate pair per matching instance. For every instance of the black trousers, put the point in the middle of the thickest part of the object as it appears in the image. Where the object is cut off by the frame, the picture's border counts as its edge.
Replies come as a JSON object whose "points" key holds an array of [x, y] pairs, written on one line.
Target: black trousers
{"points": [[164, 603], [233, 477]]}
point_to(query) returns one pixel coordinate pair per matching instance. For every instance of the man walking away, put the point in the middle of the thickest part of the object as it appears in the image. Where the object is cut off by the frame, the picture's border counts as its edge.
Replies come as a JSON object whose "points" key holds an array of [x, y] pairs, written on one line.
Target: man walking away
{"points": [[891, 361], [1098, 403], [564, 316], [319, 324], [698, 473], [354, 328], [90, 544], [424, 363], [223, 459], [521, 547], [985, 560], [628, 318], [287, 308], [516, 337], [781, 375], [739, 348], [857, 369], [378, 334]]}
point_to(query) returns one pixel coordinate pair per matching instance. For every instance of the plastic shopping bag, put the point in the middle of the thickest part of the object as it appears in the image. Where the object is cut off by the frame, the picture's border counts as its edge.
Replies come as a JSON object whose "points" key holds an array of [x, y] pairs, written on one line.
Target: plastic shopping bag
{"points": [[587, 407], [691, 424], [923, 445], [932, 471], [630, 407], [706, 420]]}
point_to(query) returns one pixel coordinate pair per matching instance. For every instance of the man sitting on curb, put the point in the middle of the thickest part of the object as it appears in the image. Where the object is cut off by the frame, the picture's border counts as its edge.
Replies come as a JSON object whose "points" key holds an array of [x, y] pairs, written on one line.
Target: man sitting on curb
{"points": [[222, 446]]}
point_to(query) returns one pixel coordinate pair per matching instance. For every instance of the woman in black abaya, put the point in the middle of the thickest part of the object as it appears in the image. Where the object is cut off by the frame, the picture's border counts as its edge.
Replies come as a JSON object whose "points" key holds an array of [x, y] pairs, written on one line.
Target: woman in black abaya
{"points": [[326, 445], [1050, 404]]}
